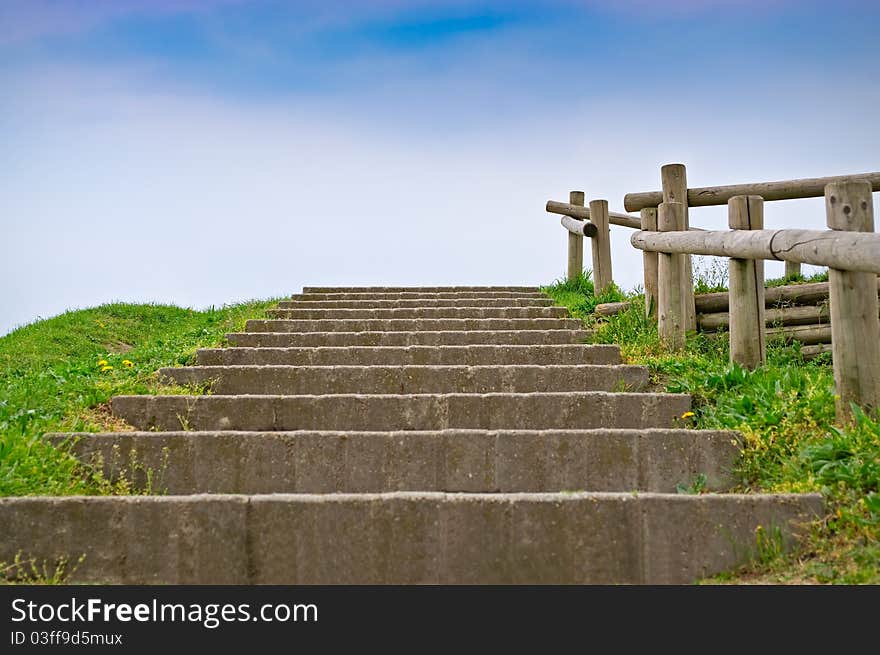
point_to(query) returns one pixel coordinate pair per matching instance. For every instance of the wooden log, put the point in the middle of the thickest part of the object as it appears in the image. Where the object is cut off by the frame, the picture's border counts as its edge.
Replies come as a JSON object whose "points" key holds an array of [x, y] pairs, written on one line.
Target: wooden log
{"points": [[583, 213], [855, 327], [792, 269], [747, 345], [649, 263], [790, 294], [673, 178], [575, 242], [670, 317], [713, 303], [811, 352], [601, 250], [806, 334], [580, 228], [806, 315], [857, 251], [719, 195], [610, 308]]}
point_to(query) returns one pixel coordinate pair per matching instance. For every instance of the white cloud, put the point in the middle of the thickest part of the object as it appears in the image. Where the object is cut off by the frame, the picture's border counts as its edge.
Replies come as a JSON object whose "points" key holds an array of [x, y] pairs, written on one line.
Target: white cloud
{"points": [[116, 188]]}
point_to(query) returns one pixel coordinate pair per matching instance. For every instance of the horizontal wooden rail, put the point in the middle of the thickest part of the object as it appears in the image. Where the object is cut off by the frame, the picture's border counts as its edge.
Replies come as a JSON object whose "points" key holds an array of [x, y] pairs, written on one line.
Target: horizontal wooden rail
{"points": [[849, 251], [800, 315], [795, 294], [709, 303], [583, 213], [719, 195], [581, 228]]}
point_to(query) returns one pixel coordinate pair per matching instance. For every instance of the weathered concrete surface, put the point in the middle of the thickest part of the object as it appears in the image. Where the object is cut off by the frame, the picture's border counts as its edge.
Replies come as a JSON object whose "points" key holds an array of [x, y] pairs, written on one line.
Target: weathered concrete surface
{"points": [[572, 538], [408, 338], [532, 472], [572, 410], [422, 295], [415, 303], [350, 314], [298, 380], [474, 355], [410, 324], [467, 290], [443, 460]]}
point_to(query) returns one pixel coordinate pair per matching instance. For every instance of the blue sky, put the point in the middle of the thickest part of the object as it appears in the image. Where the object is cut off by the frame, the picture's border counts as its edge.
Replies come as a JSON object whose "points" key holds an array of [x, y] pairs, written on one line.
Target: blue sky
{"points": [[206, 152]]}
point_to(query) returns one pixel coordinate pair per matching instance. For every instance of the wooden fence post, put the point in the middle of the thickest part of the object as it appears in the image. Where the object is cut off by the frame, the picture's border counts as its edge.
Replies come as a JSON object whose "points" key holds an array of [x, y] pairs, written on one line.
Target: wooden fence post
{"points": [[575, 241], [792, 269], [670, 318], [649, 261], [855, 327], [746, 304], [673, 178], [601, 245]]}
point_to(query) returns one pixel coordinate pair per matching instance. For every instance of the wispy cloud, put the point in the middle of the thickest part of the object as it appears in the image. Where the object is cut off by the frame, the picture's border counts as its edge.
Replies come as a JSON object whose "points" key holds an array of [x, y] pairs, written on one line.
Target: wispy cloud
{"points": [[200, 152]]}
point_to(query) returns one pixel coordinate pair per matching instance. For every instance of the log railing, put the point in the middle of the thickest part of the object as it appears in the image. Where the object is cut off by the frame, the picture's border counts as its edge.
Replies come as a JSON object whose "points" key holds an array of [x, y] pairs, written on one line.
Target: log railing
{"points": [[850, 249], [593, 222]]}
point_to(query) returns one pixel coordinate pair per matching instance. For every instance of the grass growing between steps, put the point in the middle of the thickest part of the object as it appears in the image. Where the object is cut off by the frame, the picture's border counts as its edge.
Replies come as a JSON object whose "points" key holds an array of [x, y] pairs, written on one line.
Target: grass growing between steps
{"points": [[785, 411], [59, 374]]}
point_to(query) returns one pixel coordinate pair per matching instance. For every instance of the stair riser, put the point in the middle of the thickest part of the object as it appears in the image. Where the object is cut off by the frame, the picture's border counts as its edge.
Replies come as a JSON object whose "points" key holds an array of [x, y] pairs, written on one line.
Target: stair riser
{"points": [[467, 296], [416, 303], [412, 324], [291, 380], [374, 462], [420, 290], [419, 313], [423, 338], [399, 538], [402, 412], [411, 356]]}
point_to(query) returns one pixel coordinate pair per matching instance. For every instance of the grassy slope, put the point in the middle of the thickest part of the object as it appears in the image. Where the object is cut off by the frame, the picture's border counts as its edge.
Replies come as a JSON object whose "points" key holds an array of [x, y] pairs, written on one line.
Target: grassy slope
{"points": [[52, 379], [785, 411]]}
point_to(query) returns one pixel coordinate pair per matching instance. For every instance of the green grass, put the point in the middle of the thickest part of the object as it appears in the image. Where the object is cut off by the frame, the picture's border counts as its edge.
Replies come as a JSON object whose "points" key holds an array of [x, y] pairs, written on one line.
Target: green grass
{"points": [[579, 295], [52, 379], [711, 276], [785, 412]]}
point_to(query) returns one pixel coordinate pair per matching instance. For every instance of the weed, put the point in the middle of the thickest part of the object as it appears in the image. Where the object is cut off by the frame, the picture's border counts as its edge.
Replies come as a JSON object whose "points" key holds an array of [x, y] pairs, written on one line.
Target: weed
{"points": [[769, 545], [30, 570], [696, 486]]}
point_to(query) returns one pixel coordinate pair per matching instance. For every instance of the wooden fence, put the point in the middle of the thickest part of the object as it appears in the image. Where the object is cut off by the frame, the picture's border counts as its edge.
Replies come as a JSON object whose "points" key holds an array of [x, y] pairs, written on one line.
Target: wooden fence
{"points": [[849, 248]]}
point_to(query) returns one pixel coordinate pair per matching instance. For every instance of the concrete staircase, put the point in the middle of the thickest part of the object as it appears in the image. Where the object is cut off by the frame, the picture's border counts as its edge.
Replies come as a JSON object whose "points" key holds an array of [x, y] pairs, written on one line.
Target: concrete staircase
{"points": [[407, 435]]}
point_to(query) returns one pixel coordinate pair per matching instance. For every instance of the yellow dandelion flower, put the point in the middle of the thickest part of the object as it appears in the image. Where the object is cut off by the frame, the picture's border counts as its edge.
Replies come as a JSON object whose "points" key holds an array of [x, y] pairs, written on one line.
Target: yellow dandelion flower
{"points": [[104, 369], [688, 415], [100, 325], [127, 363], [102, 362]]}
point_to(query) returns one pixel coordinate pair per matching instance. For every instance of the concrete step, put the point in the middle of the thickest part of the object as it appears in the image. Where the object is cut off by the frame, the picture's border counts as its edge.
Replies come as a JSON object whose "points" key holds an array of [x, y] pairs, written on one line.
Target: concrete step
{"points": [[475, 355], [411, 324], [420, 313], [417, 303], [509, 289], [299, 380], [402, 537], [493, 411], [407, 338], [420, 295], [444, 460]]}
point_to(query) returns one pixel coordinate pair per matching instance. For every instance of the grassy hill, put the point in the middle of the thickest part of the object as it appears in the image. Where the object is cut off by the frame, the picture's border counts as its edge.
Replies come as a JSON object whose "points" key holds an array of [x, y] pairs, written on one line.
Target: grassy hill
{"points": [[785, 411], [58, 375]]}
